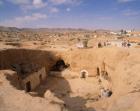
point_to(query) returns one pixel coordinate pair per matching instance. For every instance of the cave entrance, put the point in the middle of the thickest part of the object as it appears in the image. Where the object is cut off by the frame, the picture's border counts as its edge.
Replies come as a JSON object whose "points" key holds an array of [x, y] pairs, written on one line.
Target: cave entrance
{"points": [[28, 86], [59, 66]]}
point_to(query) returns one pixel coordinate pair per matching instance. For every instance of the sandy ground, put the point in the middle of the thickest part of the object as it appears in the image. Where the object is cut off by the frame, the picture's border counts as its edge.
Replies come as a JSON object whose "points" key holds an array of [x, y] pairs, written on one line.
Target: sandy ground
{"points": [[76, 94]]}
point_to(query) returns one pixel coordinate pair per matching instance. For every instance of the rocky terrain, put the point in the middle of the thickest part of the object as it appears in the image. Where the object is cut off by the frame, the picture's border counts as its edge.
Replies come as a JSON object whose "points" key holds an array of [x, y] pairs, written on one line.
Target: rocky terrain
{"points": [[96, 78]]}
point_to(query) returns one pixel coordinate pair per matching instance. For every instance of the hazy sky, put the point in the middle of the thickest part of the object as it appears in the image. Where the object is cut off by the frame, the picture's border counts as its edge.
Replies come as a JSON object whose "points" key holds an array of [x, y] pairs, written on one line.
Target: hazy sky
{"points": [[91, 14]]}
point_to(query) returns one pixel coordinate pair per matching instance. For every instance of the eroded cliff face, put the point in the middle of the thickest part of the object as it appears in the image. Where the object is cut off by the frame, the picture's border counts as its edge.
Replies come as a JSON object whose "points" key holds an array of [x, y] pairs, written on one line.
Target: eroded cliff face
{"points": [[122, 66], [24, 56]]}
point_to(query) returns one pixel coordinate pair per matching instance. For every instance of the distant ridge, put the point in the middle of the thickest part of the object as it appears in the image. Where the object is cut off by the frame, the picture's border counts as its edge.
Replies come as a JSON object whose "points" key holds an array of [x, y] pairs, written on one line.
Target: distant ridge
{"points": [[14, 29]]}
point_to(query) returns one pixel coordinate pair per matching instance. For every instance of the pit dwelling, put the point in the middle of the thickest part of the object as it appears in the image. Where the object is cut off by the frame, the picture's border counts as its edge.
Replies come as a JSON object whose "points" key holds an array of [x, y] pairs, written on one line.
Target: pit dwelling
{"points": [[74, 80]]}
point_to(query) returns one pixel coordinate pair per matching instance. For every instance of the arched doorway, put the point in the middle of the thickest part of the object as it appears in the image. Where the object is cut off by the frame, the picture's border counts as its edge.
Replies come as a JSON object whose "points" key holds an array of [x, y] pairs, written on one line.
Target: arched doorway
{"points": [[84, 74]]}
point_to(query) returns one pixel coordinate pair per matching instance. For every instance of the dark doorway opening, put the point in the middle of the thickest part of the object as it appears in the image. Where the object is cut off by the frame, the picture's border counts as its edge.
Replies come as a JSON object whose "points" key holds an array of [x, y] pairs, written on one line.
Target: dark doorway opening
{"points": [[83, 75], [28, 86], [40, 78], [98, 71], [99, 45]]}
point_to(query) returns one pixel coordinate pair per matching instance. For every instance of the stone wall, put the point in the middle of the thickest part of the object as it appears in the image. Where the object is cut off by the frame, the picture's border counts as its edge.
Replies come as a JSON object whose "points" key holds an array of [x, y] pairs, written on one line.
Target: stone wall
{"points": [[34, 78]]}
